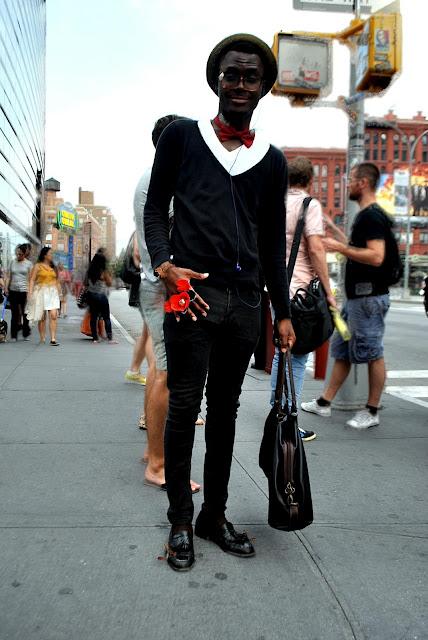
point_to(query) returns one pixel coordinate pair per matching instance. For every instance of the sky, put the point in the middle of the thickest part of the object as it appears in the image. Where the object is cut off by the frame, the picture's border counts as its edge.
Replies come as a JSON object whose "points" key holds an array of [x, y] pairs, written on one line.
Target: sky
{"points": [[114, 66]]}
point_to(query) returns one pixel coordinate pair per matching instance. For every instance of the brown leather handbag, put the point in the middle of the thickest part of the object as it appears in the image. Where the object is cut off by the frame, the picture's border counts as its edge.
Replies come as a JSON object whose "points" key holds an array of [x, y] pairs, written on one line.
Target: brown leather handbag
{"points": [[283, 460]]}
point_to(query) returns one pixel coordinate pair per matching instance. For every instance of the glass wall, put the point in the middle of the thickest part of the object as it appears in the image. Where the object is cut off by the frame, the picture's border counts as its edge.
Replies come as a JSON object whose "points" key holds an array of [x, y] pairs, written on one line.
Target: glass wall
{"points": [[22, 120]]}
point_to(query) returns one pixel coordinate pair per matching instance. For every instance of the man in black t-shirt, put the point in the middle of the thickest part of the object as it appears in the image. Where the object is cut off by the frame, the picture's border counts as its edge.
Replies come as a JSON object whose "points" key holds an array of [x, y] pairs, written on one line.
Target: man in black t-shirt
{"points": [[366, 285]]}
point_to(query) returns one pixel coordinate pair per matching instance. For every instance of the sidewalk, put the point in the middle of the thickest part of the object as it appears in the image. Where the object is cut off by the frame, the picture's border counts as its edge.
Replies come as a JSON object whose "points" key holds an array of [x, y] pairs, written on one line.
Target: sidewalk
{"points": [[81, 536]]}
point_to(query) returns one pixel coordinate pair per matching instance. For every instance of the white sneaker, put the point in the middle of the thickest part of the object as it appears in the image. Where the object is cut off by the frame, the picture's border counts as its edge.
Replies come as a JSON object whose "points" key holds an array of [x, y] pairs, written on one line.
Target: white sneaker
{"points": [[314, 407], [363, 420]]}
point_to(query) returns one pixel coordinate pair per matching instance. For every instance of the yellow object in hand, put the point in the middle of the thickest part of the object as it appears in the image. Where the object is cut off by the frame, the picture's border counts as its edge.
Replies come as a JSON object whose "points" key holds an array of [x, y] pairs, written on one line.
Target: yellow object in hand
{"points": [[340, 324]]}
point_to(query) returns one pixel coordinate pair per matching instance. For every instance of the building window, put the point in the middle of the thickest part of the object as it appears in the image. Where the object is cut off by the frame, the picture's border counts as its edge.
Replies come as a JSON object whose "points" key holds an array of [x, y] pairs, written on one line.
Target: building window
{"points": [[424, 156], [425, 139], [423, 237], [324, 186], [404, 154], [336, 203], [324, 171], [366, 155], [375, 154], [383, 139], [324, 202], [383, 154], [316, 170], [375, 139], [367, 139], [337, 186], [383, 169], [337, 170], [48, 237], [315, 186]]}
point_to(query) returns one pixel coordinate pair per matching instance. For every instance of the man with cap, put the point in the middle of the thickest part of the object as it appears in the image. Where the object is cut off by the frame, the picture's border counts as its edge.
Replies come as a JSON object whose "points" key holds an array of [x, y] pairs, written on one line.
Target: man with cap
{"points": [[229, 187]]}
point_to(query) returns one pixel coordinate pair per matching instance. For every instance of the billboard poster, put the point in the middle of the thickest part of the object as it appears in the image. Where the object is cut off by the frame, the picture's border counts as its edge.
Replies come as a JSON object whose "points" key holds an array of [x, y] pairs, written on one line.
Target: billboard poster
{"points": [[70, 253], [401, 192], [392, 193]]}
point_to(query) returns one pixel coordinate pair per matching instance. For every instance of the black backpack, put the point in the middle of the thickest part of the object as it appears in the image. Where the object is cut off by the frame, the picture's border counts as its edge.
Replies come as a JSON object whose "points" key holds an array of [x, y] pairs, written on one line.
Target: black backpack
{"points": [[392, 266]]}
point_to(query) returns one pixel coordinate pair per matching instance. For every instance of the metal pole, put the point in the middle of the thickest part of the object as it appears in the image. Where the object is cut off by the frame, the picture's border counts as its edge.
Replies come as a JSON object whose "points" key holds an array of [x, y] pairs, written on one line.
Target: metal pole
{"points": [[411, 152], [353, 393]]}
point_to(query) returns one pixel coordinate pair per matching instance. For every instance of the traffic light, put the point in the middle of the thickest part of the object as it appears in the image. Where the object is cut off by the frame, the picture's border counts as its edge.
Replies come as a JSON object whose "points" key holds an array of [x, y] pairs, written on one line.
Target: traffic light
{"points": [[304, 66], [379, 52]]}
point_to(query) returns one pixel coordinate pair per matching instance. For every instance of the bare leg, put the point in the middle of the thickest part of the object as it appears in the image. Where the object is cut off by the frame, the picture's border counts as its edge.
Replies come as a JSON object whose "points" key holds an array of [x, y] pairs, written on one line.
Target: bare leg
{"points": [[139, 352], [377, 376], [157, 406], [42, 328], [150, 378], [341, 369], [64, 307], [52, 324]]}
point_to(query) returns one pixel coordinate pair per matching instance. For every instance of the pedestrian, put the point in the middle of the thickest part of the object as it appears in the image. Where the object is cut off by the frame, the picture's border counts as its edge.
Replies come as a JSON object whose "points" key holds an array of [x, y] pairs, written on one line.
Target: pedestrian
{"points": [[98, 280], [16, 288], [152, 299], [64, 277], [367, 299], [142, 343], [229, 186], [426, 295], [43, 295], [310, 262]]}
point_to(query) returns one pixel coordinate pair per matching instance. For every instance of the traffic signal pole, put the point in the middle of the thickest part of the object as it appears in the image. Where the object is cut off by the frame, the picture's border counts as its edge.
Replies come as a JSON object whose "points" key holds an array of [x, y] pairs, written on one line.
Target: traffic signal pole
{"points": [[353, 393]]}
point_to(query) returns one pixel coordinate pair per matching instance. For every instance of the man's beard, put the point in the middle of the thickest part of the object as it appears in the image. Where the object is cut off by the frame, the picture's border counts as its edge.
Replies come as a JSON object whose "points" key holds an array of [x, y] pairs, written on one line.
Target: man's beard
{"points": [[354, 196]]}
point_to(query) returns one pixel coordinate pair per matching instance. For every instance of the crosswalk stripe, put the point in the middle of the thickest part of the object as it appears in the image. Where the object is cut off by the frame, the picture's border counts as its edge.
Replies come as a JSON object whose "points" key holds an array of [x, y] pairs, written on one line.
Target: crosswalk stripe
{"points": [[417, 373], [403, 396]]}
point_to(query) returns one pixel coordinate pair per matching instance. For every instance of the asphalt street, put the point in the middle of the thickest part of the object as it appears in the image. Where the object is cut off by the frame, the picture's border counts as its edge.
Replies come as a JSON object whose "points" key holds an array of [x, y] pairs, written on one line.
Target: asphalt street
{"points": [[81, 537]]}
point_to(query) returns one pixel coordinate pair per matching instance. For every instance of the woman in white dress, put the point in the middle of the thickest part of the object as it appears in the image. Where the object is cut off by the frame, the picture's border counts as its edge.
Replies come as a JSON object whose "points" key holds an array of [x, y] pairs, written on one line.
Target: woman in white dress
{"points": [[43, 293]]}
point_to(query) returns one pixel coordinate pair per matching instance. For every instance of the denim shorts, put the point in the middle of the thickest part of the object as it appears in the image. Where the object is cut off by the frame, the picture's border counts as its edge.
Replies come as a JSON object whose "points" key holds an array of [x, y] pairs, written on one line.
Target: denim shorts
{"points": [[366, 320], [152, 298]]}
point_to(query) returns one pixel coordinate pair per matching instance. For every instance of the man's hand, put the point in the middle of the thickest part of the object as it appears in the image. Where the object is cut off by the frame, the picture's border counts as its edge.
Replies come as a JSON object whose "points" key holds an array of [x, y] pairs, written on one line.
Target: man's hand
{"points": [[287, 337], [333, 245], [178, 273]]}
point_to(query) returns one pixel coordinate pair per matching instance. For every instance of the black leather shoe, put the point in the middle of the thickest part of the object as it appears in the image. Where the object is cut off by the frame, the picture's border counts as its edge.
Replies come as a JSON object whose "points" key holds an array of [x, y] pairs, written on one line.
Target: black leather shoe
{"points": [[224, 534], [180, 555]]}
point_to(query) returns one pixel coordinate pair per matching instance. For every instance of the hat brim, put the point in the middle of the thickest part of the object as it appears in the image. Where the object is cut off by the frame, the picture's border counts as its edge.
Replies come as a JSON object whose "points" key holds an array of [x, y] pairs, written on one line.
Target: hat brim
{"points": [[263, 50]]}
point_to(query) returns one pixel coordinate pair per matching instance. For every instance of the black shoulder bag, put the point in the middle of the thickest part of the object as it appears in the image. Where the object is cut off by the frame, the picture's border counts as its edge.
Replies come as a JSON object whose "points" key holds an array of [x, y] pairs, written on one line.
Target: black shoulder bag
{"points": [[282, 458], [130, 274], [310, 315]]}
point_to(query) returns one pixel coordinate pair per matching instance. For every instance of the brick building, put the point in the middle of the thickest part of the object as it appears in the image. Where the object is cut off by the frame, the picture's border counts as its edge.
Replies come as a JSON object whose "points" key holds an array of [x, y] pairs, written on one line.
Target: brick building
{"points": [[388, 143], [105, 219]]}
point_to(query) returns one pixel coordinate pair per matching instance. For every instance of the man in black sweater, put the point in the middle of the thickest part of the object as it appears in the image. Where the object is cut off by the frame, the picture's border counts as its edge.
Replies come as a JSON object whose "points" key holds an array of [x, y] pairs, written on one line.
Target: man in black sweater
{"points": [[229, 187]]}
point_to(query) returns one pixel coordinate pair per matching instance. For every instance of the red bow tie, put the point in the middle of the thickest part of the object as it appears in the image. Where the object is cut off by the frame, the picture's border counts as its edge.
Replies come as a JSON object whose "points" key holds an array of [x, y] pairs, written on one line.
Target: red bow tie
{"points": [[226, 132]]}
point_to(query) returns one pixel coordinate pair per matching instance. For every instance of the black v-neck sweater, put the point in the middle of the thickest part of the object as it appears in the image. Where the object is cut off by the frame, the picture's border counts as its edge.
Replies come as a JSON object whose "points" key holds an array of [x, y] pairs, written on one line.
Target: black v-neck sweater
{"points": [[220, 221]]}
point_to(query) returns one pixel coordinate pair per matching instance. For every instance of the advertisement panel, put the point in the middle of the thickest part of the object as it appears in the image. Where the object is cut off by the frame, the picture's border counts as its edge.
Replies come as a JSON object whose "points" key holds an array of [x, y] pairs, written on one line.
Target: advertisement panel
{"points": [[66, 218], [401, 192], [393, 196]]}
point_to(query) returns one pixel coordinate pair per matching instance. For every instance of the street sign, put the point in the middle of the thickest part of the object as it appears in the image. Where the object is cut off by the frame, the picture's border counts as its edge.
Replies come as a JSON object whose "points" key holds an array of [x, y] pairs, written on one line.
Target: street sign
{"points": [[340, 6]]}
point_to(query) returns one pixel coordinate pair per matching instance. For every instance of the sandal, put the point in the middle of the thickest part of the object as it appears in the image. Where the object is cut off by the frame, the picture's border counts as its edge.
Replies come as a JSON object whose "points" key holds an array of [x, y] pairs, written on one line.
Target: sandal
{"points": [[142, 422], [54, 343]]}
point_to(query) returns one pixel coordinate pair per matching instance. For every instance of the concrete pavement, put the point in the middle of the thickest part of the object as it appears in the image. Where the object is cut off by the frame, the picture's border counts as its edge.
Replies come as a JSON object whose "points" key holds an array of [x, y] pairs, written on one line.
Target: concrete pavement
{"points": [[81, 536]]}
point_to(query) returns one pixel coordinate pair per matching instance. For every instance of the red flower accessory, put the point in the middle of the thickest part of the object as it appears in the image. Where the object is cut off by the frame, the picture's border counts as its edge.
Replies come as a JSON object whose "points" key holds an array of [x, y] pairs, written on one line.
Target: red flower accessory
{"points": [[179, 302], [183, 285]]}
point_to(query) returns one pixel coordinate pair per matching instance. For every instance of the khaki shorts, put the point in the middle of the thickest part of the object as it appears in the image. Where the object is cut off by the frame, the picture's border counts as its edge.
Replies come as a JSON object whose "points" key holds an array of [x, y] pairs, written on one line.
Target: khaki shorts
{"points": [[152, 298]]}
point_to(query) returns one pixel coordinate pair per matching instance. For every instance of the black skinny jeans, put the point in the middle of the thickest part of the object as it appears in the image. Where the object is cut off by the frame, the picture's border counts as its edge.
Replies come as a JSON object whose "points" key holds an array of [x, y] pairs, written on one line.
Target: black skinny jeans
{"points": [[17, 301], [99, 307], [221, 345]]}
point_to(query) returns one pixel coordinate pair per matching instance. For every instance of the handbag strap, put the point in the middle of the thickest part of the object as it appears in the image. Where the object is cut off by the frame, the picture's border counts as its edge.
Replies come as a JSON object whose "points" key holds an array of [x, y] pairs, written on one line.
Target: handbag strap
{"points": [[285, 384], [297, 236]]}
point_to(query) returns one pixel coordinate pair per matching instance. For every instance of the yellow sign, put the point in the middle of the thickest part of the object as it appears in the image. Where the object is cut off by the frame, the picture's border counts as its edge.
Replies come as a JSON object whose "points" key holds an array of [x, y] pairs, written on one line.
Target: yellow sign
{"points": [[379, 52], [66, 218]]}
